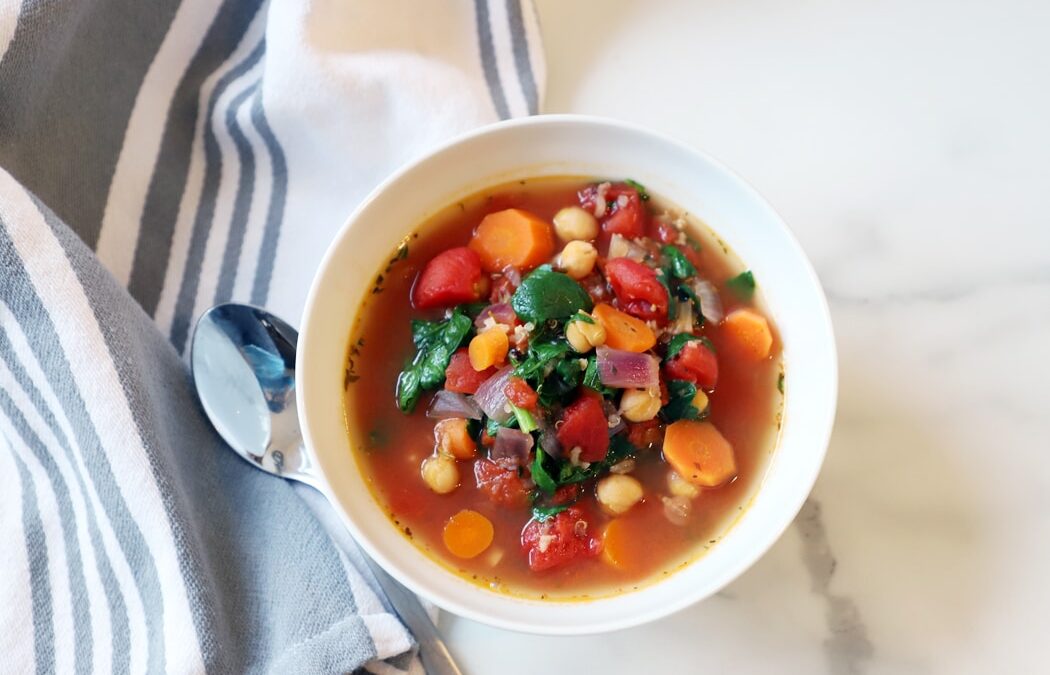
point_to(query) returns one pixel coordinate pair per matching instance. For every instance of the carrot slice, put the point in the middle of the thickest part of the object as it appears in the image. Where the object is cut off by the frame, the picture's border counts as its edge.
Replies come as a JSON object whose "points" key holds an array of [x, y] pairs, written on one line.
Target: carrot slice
{"points": [[619, 547], [467, 534], [488, 349], [451, 437], [623, 331], [750, 333], [699, 453], [513, 237]]}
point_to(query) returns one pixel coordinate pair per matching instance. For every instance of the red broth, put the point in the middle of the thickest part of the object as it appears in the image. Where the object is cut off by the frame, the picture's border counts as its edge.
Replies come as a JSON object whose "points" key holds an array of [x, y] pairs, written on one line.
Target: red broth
{"points": [[390, 445]]}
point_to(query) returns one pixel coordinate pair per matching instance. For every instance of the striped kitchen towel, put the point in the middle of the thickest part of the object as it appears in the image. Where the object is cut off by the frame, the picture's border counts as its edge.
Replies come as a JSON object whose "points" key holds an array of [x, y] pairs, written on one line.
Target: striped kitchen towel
{"points": [[157, 158]]}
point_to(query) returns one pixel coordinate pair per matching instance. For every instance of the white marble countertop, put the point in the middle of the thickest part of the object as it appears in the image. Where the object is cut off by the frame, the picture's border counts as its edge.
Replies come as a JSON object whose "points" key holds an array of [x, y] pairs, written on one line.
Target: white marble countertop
{"points": [[906, 144]]}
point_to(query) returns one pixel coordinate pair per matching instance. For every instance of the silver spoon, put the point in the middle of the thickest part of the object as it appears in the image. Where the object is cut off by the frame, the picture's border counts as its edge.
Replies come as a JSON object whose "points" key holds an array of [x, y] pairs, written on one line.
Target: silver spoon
{"points": [[243, 362]]}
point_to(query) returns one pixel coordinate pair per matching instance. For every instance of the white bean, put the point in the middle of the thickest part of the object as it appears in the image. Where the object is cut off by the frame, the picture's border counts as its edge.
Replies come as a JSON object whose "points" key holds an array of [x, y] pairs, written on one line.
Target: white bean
{"points": [[618, 493], [574, 224], [577, 259], [440, 473], [639, 405]]}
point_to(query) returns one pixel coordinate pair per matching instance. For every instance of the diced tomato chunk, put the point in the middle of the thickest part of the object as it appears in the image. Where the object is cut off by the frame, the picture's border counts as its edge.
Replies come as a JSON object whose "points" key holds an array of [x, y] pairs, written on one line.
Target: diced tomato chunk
{"points": [[450, 278], [646, 434], [626, 216], [461, 377], [695, 363], [504, 488], [559, 540], [584, 426], [637, 289], [521, 394]]}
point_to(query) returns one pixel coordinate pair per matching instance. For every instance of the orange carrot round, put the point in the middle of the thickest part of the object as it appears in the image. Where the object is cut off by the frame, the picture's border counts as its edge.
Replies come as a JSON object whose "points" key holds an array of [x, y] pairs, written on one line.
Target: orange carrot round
{"points": [[619, 547], [623, 331], [750, 333], [467, 534], [513, 237], [699, 453]]}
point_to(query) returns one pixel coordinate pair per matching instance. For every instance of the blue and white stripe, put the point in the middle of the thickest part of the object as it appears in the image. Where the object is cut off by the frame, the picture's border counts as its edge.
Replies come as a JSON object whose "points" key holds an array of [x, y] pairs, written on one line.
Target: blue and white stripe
{"points": [[201, 151]]}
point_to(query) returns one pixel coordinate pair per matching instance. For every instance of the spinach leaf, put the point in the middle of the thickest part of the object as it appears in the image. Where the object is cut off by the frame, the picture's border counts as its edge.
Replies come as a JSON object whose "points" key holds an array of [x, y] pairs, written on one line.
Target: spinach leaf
{"points": [[664, 274], [560, 383], [526, 422], [435, 342], [780, 383], [583, 317], [643, 194], [546, 294], [543, 513], [540, 476], [677, 343], [592, 379], [619, 449], [743, 285], [680, 265], [680, 407], [542, 352], [686, 293]]}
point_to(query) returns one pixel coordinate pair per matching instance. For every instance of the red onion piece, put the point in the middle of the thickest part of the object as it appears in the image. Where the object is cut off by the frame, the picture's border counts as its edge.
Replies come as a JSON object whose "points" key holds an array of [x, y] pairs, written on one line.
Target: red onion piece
{"points": [[511, 449], [513, 275], [490, 396], [447, 404], [621, 247], [618, 368], [500, 312], [548, 438], [710, 303]]}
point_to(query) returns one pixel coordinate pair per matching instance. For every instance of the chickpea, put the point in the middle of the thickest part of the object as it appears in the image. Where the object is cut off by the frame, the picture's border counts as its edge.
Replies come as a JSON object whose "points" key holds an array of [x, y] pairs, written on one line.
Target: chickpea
{"points": [[700, 400], [582, 336], [577, 259], [680, 487], [639, 405], [440, 473], [574, 224], [618, 493]]}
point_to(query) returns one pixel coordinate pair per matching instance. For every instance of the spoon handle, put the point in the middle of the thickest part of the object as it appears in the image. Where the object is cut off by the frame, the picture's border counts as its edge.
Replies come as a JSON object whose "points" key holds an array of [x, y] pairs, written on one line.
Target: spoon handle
{"points": [[432, 650]]}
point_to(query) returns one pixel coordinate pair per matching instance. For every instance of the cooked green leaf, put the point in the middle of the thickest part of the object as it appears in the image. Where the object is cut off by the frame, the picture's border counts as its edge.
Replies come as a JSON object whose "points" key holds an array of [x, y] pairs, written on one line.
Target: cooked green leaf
{"points": [[539, 474], [743, 285], [583, 317], [592, 379], [619, 449], [546, 294], [679, 264], [686, 293], [680, 407], [435, 342], [780, 383], [543, 513], [677, 343], [665, 275], [543, 351], [643, 194], [526, 422]]}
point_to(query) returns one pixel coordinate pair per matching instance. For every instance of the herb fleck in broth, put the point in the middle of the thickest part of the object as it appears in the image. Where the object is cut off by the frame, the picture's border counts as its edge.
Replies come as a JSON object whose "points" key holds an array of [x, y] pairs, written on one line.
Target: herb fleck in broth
{"points": [[390, 446]]}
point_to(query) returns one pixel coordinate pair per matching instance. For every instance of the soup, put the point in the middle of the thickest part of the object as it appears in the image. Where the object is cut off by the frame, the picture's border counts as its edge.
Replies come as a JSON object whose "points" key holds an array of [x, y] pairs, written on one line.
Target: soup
{"points": [[563, 388]]}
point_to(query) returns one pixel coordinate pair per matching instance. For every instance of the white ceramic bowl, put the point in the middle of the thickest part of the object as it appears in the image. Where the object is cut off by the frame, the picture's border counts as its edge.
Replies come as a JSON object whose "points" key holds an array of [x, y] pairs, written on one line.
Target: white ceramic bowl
{"points": [[571, 145]]}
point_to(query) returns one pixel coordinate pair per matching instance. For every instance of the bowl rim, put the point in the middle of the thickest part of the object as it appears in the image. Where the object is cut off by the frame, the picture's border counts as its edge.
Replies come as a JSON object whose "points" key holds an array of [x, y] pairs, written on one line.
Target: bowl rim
{"points": [[771, 535]]}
